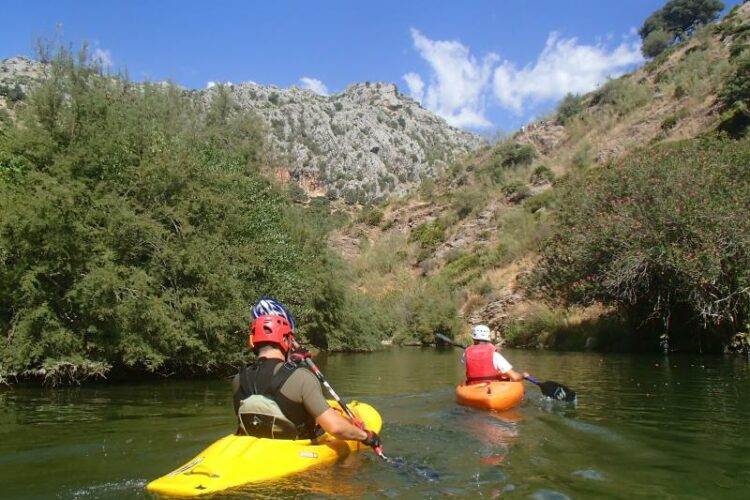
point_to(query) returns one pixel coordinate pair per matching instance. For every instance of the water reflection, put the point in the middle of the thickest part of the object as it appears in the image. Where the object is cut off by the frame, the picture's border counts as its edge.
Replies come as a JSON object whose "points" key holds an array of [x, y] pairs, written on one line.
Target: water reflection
{"points": [[648, 426]]}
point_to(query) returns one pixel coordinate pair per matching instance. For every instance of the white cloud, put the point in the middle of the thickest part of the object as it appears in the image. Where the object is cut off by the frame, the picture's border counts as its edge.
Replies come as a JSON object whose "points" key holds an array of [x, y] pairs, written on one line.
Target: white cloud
{"points": [[563, 66], [416, 86], [314, 84], [102, 56], [458, 84]]}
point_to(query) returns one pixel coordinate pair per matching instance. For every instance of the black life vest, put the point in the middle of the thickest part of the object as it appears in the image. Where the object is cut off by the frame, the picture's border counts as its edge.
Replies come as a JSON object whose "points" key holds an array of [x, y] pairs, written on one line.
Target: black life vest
{"points": [[259, 379]]}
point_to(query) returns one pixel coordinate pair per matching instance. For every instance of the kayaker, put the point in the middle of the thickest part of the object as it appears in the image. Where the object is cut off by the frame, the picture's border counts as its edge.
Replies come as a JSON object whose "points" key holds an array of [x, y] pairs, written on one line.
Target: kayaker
{"points": [[278, 397], [484, 363]]}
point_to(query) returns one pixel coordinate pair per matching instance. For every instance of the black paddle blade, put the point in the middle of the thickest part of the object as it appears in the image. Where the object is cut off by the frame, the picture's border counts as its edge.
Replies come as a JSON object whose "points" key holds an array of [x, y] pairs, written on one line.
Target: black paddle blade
{"points": [[557, 391]]}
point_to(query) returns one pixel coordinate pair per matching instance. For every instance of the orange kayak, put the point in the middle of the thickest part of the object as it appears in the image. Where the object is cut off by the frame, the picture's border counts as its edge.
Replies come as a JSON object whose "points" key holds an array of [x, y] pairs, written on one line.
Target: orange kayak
{"points": [[490, 395]]}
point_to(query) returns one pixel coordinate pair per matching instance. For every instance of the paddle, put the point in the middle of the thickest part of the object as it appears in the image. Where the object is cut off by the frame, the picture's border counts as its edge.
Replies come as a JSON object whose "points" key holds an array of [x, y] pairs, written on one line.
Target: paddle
{"points": [[314, 368], [550, 389]]}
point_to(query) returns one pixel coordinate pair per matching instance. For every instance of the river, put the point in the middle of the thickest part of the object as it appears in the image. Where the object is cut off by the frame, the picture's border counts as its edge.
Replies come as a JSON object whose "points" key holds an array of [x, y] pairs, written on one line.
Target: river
{"points": [[644, 426]]}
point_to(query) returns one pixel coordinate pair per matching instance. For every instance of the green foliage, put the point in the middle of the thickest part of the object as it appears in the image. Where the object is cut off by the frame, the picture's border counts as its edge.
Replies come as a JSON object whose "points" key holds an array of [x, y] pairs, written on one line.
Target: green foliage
{"points": [[463, 269], [516, 191], [371, 216], [534, 328], [546, 199], [429, 234], [582, 156], [516, 155], [296, 193], [427, 189], [468, 200], [675, 21], [12, 94], [136, 230], [656, 42], [542, 174], [569, 107], [622, 95], [664, 234], [735, 98], [668, 123], [430, 308]]}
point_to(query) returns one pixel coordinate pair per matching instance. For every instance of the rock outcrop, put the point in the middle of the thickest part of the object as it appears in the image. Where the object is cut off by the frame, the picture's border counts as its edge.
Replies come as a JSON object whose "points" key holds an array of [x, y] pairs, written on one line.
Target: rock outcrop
{"points": [[359, 145]]}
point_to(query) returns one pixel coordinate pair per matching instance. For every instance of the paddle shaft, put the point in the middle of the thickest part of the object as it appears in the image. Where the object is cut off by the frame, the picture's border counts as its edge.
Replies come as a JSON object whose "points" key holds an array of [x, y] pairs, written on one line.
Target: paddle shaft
{"points": [[314, 368]]}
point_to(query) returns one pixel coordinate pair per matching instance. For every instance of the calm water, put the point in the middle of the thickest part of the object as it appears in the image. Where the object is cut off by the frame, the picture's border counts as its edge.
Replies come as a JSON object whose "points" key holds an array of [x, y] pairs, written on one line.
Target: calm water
{"points": [[643, 427]]}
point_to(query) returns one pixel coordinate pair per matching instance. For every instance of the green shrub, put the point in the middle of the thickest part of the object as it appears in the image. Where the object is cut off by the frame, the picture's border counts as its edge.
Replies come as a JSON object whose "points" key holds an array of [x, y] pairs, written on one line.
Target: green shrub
{"points": [[622, 95], [569, 107], [429, 234], [468, 200], [137, 229], [12, 94], [656, 42], [512, 154], [735, 98], [663, 234], [542, 174], [582, 157], [428, 309], [516, 191], [534, 328], [462, 269], [370, 215], [668, 123], [296, 193], [545, 199]]}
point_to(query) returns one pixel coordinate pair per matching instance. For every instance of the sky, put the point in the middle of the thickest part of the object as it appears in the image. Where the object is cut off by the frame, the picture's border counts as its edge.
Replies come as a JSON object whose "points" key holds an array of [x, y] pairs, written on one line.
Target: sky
{"points": [[485, 66]]}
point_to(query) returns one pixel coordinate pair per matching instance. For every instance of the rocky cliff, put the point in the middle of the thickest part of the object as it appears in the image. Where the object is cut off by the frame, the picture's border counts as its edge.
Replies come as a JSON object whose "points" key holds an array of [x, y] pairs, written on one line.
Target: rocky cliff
{"points": [[359, 145], [362, 144]]}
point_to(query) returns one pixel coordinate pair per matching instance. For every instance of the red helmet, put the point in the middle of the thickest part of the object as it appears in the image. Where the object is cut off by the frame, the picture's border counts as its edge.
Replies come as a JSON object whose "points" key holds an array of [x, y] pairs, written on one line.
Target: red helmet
{"points": [[273, 330]]}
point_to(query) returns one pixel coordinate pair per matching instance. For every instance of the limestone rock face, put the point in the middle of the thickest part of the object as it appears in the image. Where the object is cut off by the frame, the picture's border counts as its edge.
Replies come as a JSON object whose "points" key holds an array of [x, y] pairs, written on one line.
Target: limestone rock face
{"points": [[359, 145], [19, 71]]}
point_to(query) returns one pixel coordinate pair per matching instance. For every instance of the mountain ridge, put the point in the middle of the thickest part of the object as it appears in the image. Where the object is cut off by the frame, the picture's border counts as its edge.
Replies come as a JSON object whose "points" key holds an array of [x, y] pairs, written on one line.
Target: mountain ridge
{"points": [[362, 144]]}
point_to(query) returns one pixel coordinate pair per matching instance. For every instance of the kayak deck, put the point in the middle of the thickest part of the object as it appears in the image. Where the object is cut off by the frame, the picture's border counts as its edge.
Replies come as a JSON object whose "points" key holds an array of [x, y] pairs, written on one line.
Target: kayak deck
{"points": [[236, 460], [497, 395]]}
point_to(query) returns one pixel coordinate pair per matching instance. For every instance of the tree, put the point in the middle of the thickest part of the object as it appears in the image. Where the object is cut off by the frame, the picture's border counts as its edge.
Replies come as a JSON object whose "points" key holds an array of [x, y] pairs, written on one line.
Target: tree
{"points": [[136, 228], [681, 17], [676, 21], [656, 42]]}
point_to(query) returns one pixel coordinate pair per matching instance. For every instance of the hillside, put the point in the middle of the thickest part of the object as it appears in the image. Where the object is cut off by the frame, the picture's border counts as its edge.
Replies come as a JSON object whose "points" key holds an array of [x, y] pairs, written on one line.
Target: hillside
{"points": [[362, 144], [478, 229]]}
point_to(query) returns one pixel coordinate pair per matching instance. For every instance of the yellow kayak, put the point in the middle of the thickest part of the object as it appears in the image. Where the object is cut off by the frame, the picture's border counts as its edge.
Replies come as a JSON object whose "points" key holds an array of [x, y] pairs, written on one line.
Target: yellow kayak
{"points": [[236, 460]]}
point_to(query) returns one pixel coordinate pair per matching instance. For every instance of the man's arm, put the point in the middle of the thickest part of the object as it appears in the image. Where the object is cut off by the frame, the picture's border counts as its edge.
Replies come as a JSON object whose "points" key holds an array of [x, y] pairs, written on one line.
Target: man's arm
{"points": [[503, 366], [339, 427]]}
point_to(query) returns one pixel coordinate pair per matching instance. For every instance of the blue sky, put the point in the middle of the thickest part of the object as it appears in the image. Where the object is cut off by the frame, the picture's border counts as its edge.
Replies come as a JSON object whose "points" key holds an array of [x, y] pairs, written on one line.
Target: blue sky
{"points": [[482, 65]]}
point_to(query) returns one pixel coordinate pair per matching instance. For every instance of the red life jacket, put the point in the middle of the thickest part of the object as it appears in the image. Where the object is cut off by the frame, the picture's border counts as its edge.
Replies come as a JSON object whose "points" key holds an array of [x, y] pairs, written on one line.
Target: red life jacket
{"points": [[479, 365]]}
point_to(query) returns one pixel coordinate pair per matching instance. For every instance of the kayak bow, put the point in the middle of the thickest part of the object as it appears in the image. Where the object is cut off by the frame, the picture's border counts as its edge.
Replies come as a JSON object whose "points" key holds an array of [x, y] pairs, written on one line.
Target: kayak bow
{"points": [[236, 460]]}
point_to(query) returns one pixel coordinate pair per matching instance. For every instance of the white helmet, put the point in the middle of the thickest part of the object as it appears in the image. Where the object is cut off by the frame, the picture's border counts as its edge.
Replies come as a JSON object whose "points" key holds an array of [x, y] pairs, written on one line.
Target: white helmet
{"points": [[480, 332]]}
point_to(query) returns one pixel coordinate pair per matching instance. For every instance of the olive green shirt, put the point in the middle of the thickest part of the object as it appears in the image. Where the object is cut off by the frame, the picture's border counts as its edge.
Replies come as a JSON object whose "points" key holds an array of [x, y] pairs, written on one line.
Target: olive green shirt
{"points": [[301, 387]]}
